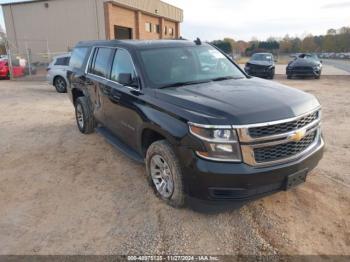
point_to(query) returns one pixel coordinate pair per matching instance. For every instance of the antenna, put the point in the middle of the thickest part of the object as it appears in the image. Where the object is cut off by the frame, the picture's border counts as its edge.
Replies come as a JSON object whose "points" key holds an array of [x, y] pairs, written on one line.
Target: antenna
{"points": [[198, 41]]}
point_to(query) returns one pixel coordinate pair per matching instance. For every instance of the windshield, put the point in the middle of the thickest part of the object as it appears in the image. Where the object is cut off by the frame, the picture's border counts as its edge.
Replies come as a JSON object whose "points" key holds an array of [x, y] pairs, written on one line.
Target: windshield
{"points": [[309, 56], [262, 57], [180, 65]]}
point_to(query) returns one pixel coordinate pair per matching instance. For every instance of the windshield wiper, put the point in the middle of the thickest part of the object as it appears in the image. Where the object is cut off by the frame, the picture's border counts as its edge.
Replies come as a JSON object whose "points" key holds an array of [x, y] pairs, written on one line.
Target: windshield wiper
{"points": [[187, 83], [225, 78]]}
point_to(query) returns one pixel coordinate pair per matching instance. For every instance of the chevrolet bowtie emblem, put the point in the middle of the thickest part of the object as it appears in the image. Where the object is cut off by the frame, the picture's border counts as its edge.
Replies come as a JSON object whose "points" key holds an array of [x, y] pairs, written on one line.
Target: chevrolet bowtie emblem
{"points": [[298, 135]]}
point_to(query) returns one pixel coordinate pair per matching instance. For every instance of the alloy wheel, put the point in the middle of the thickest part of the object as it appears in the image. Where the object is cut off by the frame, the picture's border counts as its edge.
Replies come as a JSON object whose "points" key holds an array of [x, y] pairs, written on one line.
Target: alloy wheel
{"points": [[80, 116], [162, 176]]}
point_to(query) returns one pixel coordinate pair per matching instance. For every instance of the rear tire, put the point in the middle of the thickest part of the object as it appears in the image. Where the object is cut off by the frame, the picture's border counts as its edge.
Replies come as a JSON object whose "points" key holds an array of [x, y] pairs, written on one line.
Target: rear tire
{"points": [[60, 84], [164, 174], [84, 116]]}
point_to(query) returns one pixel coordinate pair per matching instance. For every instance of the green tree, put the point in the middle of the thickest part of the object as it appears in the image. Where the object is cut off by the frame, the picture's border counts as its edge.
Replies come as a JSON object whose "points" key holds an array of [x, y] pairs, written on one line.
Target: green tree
{"points": [[308, 44], [223, 46]]}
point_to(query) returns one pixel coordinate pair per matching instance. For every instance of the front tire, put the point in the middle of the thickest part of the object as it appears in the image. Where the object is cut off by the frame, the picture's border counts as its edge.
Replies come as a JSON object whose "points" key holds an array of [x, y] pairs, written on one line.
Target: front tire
{"points": [[84, 117], [164, 174], [60, 84]]}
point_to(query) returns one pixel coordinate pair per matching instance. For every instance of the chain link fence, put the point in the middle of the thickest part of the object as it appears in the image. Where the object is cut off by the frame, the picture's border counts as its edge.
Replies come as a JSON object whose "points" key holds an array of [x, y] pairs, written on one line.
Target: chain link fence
{"points": [[28, 59]]}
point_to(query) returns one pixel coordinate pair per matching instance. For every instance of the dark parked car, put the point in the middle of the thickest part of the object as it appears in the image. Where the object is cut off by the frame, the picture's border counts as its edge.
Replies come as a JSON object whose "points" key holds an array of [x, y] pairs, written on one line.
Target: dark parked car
{"points": [[203, 131], [261, 65], [305, 65]]}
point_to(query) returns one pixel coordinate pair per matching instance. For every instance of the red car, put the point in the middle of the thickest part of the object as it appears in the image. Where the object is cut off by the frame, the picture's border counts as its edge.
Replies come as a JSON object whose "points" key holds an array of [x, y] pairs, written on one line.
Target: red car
{"points": [[17, 71]]}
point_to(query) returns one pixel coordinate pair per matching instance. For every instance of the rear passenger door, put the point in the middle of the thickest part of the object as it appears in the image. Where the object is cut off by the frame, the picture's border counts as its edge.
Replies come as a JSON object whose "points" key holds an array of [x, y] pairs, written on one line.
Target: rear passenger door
{"points": [[76, 69], [97, 81]]}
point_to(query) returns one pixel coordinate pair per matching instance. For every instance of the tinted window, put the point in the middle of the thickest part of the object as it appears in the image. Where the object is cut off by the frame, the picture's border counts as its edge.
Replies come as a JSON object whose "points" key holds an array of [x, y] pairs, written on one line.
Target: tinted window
{"points": [[262, 57], [78, 57], [100, 63], [62, 61], [122, 64]]}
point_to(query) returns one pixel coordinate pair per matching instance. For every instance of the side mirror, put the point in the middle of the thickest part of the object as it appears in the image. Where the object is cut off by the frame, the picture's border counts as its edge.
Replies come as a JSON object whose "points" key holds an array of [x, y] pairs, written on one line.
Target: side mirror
{"points": [[127, 80]]}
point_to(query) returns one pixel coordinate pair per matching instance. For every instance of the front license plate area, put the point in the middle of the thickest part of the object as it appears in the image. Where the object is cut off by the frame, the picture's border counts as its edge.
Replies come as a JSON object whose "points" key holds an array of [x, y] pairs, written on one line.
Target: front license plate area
{"points": [[296, 179]]}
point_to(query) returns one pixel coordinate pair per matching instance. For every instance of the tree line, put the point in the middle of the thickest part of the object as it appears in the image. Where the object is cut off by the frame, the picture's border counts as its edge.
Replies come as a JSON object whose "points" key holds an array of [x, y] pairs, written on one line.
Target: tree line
{"points": [[337, 41]]}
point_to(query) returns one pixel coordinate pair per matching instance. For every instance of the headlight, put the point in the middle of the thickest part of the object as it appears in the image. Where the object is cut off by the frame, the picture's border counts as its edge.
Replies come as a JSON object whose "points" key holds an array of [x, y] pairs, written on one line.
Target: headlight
{"points": [[221, 143]]}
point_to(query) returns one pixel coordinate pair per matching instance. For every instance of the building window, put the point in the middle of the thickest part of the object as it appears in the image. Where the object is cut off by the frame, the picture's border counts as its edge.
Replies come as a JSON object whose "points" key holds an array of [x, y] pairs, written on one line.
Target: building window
{"points": [[148, 27], [157, 29], [166, 30], [171, 31]]}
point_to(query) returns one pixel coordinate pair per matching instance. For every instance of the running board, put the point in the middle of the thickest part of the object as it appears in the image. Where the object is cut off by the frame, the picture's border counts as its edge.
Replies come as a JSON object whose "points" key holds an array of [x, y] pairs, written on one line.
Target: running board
{"points": [[118, 144]]}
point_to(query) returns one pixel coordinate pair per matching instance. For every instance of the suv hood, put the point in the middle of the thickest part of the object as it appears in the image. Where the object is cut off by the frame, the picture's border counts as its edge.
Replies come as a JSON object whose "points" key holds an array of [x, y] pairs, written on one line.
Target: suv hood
{"points": [[237, 102], [304, 62]]}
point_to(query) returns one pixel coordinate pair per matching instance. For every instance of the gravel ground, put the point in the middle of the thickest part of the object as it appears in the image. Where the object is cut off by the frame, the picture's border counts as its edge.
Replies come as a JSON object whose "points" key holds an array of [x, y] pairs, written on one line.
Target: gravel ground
{"points": [[65, 193]]}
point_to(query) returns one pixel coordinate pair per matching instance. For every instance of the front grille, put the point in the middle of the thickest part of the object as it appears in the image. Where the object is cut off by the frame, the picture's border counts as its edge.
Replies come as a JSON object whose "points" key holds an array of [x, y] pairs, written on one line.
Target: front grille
{"points": [[257, 132], [303, 69], [281, 151], [259, 68]]}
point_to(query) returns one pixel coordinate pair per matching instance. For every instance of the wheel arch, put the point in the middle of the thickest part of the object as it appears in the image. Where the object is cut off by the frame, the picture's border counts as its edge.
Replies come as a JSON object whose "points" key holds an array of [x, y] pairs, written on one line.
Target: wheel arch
{"points": [[76, 92], [151, 133]]}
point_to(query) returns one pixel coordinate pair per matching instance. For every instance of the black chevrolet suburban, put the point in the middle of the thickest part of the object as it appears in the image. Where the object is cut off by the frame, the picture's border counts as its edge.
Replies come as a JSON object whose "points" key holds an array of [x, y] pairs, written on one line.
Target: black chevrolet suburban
{"points": [[204, 128]]}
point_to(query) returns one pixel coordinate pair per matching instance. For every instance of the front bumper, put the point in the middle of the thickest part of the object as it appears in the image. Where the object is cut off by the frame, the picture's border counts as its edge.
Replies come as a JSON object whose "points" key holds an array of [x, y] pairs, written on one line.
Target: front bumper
{"points": [[309, 72], [214, 181], [260, 73]]}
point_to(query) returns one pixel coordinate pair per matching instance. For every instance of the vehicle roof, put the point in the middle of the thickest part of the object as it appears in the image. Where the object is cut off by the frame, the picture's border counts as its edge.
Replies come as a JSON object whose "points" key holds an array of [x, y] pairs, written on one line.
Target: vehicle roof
{"points": [[139, 44], [62, 55]]}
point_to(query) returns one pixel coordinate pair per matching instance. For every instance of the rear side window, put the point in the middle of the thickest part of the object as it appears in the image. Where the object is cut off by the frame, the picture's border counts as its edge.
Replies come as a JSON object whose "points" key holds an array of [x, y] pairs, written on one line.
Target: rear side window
{"points": [[62, 61], [122, 64], [78, 57], [100, 65]]}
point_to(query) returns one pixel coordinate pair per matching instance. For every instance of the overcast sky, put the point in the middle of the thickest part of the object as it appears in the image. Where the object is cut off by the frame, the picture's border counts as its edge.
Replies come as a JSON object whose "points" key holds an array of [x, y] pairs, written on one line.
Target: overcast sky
{"points": [[244, 19]]}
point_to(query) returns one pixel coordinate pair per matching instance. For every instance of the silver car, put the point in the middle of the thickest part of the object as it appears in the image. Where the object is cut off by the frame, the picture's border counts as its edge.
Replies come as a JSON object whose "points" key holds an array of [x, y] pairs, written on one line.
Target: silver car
{"points": [[57, 72]]}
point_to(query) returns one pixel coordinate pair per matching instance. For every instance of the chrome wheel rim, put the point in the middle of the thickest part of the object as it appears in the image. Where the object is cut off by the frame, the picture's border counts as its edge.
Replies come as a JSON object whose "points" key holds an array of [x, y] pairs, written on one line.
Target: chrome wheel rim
{"points": [[161, 176], [80, 116]]}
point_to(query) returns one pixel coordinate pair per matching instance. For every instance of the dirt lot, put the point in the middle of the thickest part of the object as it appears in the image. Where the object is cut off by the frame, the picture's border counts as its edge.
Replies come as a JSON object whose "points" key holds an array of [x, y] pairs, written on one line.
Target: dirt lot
{"points": [[65, 193]]}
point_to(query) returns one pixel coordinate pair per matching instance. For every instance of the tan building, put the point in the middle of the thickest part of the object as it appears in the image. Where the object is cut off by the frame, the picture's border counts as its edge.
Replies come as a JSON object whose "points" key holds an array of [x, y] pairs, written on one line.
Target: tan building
{"points": [[57, 25]]}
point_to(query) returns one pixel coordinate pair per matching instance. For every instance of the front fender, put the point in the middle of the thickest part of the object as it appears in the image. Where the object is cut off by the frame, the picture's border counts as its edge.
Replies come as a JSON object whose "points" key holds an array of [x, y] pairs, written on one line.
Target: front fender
{"points": [[172, 128]]}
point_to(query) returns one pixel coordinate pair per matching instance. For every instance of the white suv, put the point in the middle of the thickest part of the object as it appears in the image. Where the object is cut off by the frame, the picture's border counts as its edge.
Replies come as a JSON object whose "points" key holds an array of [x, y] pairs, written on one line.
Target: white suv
{"points": [[57, 72]]}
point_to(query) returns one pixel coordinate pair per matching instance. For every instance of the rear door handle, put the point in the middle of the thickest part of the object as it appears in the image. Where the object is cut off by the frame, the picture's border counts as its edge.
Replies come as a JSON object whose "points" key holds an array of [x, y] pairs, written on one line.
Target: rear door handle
{"points": [[115, 95]]}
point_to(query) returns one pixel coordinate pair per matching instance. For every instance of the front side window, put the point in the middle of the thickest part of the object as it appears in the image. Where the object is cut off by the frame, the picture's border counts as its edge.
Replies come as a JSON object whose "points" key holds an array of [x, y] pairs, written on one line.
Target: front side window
{"points": [[78, 57], [122, 64], [100, 64], [167, 66]]}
